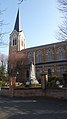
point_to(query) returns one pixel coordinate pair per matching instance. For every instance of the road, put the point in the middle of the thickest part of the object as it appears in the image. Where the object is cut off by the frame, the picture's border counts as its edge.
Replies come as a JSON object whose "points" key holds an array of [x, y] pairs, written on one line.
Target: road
{"points": [[32, 108]]}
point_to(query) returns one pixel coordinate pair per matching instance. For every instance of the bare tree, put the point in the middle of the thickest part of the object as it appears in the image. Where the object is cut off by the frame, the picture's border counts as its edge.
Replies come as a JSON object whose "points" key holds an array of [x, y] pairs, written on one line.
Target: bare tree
{"points": [[3, 57], [20, 1], [1, 24], [62, 34], [3, 62], [17, 63], [2, 43]]}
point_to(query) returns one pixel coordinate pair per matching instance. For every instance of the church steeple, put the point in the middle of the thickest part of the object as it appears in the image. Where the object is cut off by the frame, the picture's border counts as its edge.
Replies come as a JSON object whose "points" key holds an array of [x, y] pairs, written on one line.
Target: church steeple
{"points": [[17, 26], [17, 37]]}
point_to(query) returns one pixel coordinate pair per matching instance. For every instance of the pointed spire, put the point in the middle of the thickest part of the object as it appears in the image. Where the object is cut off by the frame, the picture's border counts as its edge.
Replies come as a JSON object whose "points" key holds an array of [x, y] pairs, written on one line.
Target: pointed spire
{"points": [[17, 26]]}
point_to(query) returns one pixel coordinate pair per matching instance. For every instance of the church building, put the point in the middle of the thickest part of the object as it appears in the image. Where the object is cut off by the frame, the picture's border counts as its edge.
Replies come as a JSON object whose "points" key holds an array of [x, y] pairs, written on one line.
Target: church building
{"points": [[50, 58]]}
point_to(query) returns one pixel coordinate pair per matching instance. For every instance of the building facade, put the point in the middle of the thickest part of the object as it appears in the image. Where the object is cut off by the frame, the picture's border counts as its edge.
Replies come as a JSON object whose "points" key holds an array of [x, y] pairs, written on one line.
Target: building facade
{"points": [[50, 58]]}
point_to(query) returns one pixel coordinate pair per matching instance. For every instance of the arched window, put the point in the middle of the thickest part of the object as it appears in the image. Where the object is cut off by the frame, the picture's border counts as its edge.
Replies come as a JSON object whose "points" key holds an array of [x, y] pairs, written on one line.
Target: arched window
{"points": [[27, 74], [22, 43], [61, 70], [14, 41], [40, 56], [30, 56], [50, 57], [61, 53]]}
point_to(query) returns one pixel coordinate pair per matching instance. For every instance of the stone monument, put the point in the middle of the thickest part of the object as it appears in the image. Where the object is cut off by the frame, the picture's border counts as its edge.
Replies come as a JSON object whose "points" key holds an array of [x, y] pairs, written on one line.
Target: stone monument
{"points": [[32, 76]]}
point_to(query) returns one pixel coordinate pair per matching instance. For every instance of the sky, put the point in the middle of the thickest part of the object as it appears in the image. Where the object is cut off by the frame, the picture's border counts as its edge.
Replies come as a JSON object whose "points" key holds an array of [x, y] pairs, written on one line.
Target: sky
{"points": [[39, 18]]}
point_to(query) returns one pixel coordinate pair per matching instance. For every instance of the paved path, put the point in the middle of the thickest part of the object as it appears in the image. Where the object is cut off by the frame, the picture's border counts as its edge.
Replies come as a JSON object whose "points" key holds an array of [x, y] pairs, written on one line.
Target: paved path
{"points": [[32, 108]]}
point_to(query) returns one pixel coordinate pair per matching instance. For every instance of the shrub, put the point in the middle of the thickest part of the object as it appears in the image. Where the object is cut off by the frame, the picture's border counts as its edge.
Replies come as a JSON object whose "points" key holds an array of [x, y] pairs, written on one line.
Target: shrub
{"points": [[53, 83], [65, 78], [0, 83], [53, 80]]}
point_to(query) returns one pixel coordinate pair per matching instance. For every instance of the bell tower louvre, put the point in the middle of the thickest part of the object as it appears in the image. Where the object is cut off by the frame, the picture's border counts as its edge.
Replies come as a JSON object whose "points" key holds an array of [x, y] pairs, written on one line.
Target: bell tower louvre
{"points": [[17, 38]]}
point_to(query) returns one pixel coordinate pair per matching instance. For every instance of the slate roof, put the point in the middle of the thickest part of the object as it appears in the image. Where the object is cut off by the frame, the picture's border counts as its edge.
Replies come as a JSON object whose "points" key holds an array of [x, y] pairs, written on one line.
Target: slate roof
{"points": [[44, 46], [17, 26]]}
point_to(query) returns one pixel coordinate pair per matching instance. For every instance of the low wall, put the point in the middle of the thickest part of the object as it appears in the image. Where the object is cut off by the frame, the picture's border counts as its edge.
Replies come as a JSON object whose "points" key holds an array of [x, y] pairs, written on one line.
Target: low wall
{"points": [[20, 92], [4, 92], [28, 92], [56, 93]]}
